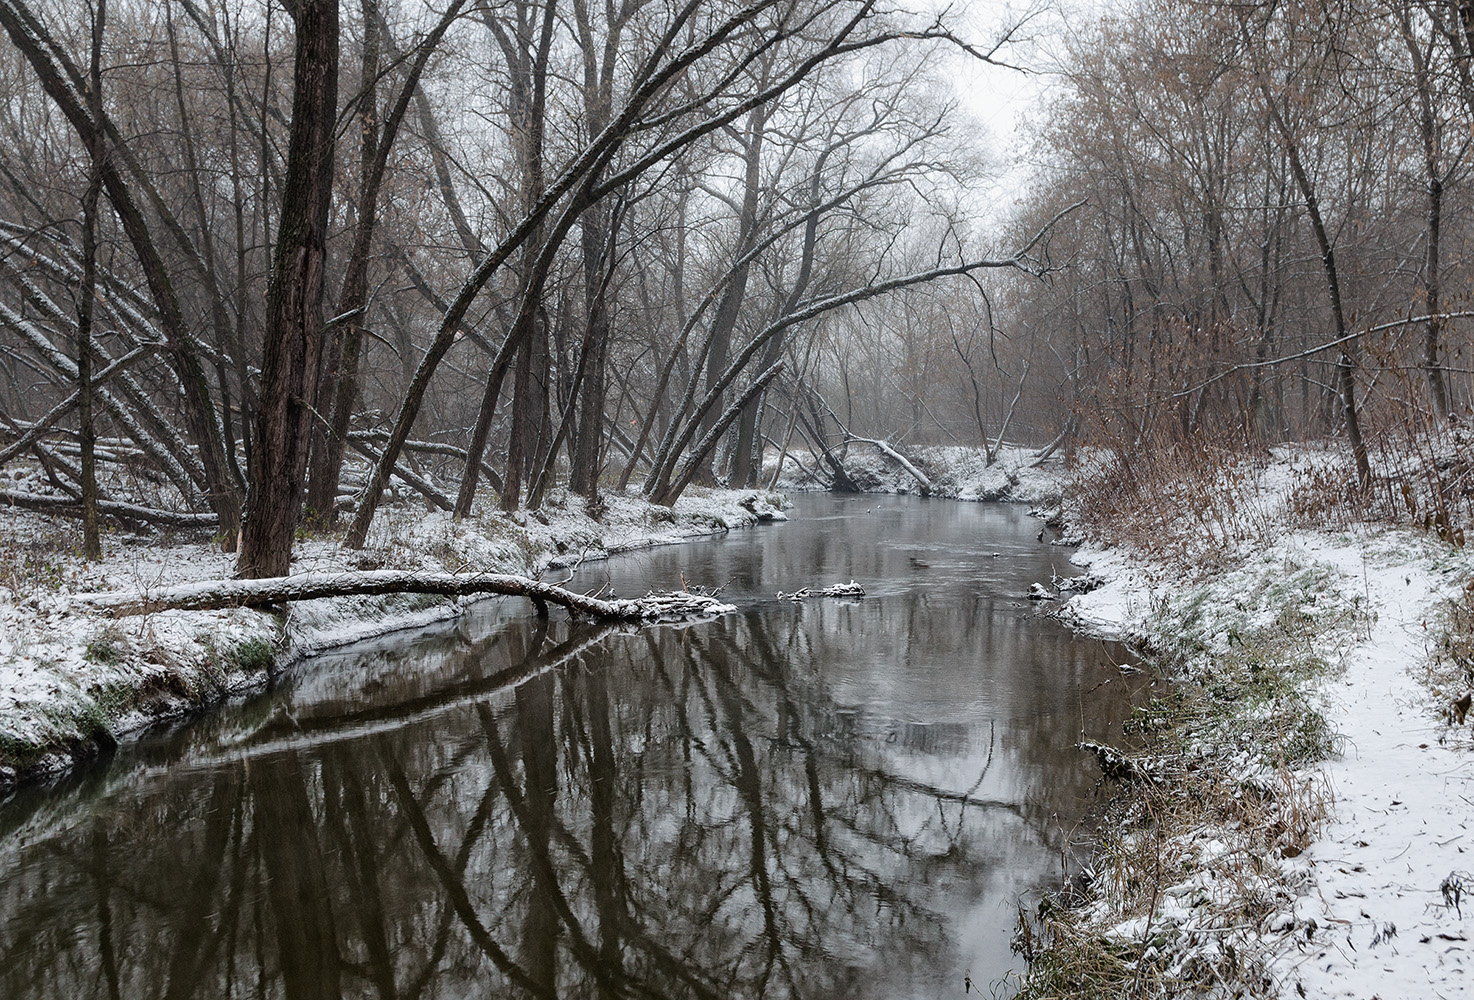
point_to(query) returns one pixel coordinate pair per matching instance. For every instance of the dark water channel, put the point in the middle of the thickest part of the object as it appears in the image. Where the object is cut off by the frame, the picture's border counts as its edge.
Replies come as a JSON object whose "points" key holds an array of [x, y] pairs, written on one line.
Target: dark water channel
{"points": [[827, 799]]}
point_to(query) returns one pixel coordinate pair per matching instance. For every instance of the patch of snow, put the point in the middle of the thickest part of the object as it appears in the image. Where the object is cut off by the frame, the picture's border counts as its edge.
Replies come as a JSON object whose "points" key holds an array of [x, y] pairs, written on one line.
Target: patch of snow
{"points": [[69, 676], [1376, 908]]}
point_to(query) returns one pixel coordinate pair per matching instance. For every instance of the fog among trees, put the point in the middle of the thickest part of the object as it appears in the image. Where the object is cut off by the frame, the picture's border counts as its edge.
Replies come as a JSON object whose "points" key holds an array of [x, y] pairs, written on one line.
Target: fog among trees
{"points": [[266, 261]]}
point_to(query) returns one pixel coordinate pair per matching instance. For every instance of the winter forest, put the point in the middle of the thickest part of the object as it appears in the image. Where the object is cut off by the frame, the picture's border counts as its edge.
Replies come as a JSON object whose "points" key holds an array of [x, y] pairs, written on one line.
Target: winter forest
{"points": [[325, 322], [268, 256]]}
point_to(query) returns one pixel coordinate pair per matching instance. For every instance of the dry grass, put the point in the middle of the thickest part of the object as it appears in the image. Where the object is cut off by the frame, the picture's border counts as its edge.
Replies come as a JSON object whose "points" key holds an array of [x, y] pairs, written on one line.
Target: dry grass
{"points": [[1188, 500], [1202, 504], [1190, 879], [1449, 671]]}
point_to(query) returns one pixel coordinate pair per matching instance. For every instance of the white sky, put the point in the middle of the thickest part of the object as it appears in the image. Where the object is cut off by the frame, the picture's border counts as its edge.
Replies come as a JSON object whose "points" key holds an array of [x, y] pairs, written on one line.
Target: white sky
{"points": [[999, 99]]}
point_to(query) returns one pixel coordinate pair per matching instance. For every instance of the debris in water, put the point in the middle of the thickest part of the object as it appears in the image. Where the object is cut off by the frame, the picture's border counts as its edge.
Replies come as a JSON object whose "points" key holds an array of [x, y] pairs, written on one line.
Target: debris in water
{"points": [[851, 589]]}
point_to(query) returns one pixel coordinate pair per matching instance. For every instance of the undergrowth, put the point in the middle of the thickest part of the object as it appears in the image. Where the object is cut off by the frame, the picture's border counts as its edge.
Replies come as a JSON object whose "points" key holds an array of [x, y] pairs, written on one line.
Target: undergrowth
{"points": [[1201, 503], [1449, 672], [1193, 869]]}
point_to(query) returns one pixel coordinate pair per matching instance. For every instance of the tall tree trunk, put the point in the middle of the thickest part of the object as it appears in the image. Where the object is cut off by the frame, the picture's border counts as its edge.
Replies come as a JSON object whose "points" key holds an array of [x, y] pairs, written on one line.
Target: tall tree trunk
{"points": [[588, 439], [1346, 362], [725, 321], [1428, 128], [341, 372], [518, 452], [336, 393], [294, 323], [747, 465], [87, 295], [599, 235]]}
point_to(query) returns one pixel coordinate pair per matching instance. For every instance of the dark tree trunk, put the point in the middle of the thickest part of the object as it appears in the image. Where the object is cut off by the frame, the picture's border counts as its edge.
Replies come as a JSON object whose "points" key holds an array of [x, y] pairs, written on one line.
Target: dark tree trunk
{"points": [[87, 432], [1430, 131], [340, 368], [1346, 362], [518, 452], [341, 375], [725, 321], [587, 451], [294, 323]]}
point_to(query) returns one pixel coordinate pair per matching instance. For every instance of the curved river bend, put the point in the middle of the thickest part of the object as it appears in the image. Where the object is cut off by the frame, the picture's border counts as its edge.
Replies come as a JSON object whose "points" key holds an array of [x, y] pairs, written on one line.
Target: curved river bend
{"points": [[826, 799]]}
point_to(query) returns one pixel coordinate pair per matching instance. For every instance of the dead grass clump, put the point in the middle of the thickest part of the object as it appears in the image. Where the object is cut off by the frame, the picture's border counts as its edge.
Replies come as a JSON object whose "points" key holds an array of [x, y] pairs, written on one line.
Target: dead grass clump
{"points": [[1424, 480], [44, 558], [1190, 501], [1450, 670]]}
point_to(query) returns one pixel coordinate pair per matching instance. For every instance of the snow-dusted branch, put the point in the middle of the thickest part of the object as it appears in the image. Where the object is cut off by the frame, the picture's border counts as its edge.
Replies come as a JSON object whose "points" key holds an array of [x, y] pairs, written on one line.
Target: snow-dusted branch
{"points": [[209, 595], [66, 507], [884, 447]]}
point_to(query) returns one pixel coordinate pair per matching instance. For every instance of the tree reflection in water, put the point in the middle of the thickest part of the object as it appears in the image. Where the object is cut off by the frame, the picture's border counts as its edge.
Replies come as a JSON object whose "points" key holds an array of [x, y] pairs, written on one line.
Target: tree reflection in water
{"points": [[550, 811]]}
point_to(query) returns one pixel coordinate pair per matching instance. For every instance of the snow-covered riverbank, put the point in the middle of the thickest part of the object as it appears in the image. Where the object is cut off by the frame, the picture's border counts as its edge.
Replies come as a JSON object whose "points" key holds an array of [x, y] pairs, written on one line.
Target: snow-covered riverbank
{"points": [[951, 471], [71, 680], [1309, 826]]}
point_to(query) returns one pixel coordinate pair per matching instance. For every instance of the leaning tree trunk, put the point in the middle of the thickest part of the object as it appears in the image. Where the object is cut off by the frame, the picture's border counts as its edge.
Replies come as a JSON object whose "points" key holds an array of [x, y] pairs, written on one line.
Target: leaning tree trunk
{"points": [[294, 320], [586, 450], [1429, 129], [37, 46]]}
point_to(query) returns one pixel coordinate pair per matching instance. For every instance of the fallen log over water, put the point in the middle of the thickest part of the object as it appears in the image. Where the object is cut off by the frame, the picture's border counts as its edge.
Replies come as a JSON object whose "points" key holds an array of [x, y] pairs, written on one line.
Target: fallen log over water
{"points": [[213, 595], [884, 447]]}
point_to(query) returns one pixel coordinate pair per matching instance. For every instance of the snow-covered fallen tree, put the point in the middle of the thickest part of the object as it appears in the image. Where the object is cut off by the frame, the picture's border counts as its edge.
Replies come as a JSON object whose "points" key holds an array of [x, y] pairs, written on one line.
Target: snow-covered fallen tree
{"points": [[213, 595]]}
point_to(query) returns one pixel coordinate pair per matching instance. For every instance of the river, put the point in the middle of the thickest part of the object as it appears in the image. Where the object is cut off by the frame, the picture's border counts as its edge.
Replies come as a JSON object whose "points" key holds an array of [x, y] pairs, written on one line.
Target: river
{"points": [[827, 798]]}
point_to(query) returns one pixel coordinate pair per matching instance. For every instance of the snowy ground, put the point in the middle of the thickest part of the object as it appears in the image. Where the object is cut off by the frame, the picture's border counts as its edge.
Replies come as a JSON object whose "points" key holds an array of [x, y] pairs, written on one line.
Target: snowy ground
{"points": [[1371, 907], [955, 472], [71, 679], [1402, 830]]}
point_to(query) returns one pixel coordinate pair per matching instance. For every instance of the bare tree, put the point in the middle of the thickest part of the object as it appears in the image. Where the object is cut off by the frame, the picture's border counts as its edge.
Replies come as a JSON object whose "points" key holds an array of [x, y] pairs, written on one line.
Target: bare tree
{"points": [[294, 310]]}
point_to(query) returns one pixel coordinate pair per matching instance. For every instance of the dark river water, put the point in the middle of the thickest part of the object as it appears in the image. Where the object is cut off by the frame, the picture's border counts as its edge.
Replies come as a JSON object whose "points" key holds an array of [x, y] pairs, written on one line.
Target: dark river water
{"points": [[834, 798]]}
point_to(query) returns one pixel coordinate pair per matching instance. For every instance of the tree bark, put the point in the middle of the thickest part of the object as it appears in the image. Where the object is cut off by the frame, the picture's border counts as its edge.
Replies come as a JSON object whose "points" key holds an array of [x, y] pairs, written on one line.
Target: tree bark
{"points": [[87, 432], [294, 326], [126, 512]]}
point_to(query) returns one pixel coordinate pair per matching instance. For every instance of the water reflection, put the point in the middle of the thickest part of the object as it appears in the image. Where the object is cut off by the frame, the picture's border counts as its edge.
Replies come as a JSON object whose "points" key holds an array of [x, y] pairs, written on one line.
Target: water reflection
{"points": [[796, 801]]}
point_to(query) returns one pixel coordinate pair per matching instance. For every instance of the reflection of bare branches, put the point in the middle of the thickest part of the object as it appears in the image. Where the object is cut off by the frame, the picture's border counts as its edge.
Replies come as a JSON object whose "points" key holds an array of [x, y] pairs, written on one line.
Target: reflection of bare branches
{"points": [[452, 885], [683, 814], [300, 732], [346, 816]]}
